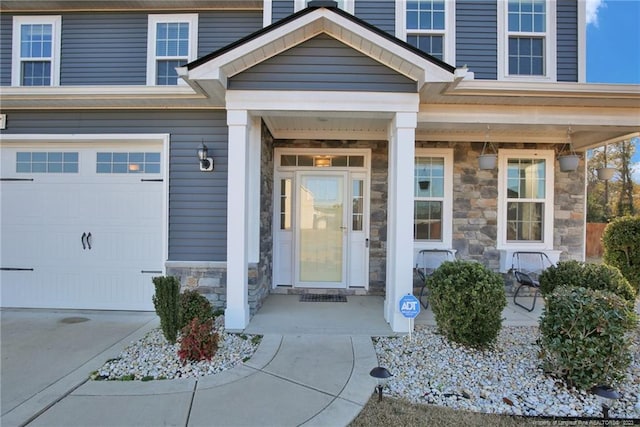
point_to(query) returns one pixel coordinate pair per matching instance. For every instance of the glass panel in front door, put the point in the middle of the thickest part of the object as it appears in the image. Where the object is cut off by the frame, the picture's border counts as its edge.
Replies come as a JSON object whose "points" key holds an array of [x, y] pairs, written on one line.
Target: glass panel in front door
{"points": [[321, 201]]}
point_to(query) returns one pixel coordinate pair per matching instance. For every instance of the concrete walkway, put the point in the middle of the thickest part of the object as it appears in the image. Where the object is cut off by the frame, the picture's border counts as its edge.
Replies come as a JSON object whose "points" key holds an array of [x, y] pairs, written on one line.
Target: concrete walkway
{"points": [[311, 368]]}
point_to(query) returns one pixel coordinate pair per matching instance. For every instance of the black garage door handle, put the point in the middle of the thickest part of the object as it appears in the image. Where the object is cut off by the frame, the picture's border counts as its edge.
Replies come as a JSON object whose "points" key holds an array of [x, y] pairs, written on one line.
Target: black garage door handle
{"points": [[82, 239], [89, 240]]}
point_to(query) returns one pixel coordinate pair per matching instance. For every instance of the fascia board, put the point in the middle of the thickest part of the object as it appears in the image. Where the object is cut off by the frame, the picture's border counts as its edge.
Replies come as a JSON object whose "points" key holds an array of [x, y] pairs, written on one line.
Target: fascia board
{"points": [[321, 101]]}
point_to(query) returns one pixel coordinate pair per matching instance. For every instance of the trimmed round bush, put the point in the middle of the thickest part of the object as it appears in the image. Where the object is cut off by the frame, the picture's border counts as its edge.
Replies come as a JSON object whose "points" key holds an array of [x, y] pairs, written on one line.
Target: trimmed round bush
{"points": [[194, 305], [584, 336], [467, 300], [621, 241], [592, 276], [565, 273]]}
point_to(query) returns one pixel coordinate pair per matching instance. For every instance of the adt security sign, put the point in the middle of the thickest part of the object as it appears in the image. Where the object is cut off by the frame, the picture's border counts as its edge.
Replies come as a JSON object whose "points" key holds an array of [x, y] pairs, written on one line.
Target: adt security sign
{"points": [[409, 306]]}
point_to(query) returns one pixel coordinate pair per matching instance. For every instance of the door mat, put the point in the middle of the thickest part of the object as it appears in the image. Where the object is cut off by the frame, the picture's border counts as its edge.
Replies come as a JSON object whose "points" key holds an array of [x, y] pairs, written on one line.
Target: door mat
{"points": [[322, 298]]}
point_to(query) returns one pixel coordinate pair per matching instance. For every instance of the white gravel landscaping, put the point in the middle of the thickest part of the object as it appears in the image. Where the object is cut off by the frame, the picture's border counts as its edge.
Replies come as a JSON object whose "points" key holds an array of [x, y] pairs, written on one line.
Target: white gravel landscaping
{"points": [[504, 380], [153, 357], [426, 369]]}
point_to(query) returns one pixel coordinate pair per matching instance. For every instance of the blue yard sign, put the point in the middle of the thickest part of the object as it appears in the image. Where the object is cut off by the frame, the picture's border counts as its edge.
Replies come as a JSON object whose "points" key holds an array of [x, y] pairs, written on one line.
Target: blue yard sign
{"points": [[409, 306]]}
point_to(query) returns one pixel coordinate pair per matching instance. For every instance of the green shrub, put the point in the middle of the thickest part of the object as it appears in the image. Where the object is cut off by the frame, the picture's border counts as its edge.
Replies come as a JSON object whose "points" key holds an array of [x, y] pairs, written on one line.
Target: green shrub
{"points": [[584, 336], [194, 305], [166, 303], [565, 273], [198, 341], [621, 241], [467, 300], [592, 276]]}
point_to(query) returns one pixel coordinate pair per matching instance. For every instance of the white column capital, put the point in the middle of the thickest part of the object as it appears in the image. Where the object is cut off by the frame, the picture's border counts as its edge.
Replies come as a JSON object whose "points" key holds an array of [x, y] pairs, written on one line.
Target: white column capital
{"points": [[405, 120], [237, 117]]}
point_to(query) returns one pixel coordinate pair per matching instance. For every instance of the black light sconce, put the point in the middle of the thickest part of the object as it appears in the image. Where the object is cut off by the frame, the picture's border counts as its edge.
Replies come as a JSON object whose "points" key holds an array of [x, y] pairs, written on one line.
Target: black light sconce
{"points": [[206, 162]]}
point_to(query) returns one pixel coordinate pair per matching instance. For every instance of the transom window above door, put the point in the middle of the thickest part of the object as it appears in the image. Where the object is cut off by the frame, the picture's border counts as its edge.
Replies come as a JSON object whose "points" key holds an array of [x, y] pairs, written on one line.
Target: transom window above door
{"points": [[322, 161]]}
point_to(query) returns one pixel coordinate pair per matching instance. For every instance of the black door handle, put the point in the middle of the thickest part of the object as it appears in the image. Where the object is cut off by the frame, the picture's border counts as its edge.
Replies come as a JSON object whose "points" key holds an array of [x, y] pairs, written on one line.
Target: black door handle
{"points": [[89, 240], [82, 239]]}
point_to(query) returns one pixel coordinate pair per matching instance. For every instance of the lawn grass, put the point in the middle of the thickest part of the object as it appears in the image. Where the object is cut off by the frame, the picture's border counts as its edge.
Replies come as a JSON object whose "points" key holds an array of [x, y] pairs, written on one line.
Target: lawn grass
{"points": [[397, 412]]}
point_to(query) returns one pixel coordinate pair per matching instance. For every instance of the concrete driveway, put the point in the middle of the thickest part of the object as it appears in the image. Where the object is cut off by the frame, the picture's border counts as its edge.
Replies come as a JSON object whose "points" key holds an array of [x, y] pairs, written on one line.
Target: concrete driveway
{"points": [[47, 353]]}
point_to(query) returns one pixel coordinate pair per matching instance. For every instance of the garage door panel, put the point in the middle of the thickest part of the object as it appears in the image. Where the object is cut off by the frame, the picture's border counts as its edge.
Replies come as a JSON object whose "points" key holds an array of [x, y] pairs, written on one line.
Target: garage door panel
{"points": [[43, 223]]}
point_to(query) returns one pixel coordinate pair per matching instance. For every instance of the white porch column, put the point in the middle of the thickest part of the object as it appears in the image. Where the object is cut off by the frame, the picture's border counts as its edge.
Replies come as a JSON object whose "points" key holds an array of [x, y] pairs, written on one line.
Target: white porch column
{"points": [[402, 135], [236, 315], [253, 188]]}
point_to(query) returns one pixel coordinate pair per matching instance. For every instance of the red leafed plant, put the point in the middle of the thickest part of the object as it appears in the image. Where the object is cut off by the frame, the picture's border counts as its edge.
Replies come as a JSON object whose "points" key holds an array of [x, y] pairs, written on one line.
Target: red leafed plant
{"points": [[198, 341]]}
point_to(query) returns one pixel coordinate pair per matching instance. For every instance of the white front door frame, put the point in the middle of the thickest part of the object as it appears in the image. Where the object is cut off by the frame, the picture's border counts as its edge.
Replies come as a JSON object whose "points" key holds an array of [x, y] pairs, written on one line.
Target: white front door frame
{"points": [[285, 239]]}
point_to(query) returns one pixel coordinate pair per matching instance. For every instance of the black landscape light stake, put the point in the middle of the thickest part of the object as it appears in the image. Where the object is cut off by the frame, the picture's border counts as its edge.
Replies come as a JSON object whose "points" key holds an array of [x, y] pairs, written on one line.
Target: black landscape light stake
{"points": [[381, 375], [607, 397]]}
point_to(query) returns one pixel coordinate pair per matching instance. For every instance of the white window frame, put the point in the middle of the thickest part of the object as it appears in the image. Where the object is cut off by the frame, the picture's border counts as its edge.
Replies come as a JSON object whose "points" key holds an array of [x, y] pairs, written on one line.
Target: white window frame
{"points": [[547, 238], [191, 19], [348, 5], [447, 200], [449, 32], [16, 60], [550, 44]]}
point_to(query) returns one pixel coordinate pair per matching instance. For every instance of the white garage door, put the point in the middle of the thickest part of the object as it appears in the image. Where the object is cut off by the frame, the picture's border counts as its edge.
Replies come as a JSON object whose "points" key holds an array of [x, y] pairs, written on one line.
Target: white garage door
{"points": [[82, 227]]}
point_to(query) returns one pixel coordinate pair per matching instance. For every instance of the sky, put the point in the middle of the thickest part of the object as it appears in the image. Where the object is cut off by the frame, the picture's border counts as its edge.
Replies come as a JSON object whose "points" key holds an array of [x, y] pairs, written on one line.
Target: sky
{"points": [[613, 47]]}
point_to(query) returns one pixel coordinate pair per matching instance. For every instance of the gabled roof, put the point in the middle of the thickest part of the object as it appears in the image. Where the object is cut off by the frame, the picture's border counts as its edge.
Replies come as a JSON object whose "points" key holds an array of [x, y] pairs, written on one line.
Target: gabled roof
{"points": [[209, 74]]}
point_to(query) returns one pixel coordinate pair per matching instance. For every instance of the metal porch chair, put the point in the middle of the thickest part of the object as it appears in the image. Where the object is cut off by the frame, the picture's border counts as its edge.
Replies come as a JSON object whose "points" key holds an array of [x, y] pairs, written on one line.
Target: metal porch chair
{"points": [[427, 261], [526, 268]]}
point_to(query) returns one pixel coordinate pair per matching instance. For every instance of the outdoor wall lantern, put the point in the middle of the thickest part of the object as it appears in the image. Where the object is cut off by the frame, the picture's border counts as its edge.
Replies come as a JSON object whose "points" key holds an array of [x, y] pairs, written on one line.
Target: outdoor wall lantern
{"points": [[206, 162], [382, 376], [607, 397], [487, 159], [567, 157]]}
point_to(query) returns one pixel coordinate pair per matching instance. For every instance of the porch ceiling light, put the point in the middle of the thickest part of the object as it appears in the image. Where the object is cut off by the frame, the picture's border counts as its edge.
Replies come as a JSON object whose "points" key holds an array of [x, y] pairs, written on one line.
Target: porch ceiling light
{"points": [[607, 397], [382, 376], [567, 157], [322, 161], [206, 162]]}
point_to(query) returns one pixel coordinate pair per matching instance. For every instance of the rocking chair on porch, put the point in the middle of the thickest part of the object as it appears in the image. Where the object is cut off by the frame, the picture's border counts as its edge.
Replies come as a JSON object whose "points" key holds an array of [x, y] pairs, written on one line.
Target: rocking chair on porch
{"points": [[526, 268], [426, 263]]}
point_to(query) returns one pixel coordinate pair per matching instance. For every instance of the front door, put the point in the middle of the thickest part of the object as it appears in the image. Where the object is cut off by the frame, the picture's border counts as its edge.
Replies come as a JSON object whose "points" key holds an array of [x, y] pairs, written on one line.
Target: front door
{"points": [[321, 221], [322, 230]]}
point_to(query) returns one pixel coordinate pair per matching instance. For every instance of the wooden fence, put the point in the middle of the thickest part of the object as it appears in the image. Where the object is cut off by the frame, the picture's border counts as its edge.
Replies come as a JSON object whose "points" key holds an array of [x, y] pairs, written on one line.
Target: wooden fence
{"points": [[594, 244]]}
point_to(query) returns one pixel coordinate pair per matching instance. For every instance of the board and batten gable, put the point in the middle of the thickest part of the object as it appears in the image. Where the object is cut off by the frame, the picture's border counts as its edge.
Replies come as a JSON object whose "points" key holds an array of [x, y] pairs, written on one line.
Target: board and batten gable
{"points": [[197, 200], [322, 63], [110, 48], [476, 37], [567, 41]]}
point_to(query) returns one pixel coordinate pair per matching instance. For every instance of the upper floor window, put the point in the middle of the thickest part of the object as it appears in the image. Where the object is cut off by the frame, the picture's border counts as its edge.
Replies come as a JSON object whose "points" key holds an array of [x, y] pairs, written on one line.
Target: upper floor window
{"points": [[527, 42], [172, 43], [36, 51], [346, 5], [429, 26], [433, 194], [525, 214]]}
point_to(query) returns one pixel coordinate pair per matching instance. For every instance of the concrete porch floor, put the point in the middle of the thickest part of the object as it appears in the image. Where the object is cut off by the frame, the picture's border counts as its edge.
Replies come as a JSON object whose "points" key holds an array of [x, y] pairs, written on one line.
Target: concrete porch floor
{"points": [[360, 315]]}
